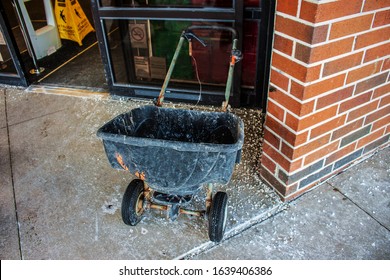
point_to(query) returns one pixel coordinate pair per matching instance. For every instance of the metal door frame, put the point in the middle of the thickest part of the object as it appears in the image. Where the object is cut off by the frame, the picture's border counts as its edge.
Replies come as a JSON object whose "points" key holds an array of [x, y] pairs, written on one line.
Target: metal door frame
{"points": [[264, 15], [264, 52], [18, 79]]}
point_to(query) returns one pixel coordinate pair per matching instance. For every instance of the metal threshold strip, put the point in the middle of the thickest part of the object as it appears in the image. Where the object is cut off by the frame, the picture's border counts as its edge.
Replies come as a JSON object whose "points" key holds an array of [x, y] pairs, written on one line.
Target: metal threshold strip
{"points": [[69, 91]]}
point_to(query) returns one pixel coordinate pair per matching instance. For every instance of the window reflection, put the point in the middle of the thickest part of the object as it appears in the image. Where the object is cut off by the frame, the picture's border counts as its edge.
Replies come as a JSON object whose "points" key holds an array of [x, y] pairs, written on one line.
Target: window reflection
{"points": [[6, 62], [149, 45], [167, 3], [141, 50]]}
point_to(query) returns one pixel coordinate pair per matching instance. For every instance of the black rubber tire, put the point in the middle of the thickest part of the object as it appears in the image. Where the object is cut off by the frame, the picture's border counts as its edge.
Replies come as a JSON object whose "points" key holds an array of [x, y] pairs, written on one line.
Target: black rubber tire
{"points": [[131, 214], [218, 216]]}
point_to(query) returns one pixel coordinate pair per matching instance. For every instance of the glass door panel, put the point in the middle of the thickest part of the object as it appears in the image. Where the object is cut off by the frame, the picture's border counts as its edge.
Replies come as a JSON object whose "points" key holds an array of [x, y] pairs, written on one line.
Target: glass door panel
{"points": [[140, 39], [11, 70], [6, 63], [169, 3], [149, 46]]}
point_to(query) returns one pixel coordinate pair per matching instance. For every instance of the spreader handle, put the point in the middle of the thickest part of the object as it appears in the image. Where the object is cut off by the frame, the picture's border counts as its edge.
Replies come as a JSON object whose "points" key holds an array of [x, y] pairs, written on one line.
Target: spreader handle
{"points": [[236, 56]]}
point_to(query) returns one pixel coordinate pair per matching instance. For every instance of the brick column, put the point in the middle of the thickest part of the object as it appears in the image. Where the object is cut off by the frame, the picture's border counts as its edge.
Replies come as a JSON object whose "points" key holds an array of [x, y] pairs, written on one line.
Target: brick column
{"points": [[330, 106]]}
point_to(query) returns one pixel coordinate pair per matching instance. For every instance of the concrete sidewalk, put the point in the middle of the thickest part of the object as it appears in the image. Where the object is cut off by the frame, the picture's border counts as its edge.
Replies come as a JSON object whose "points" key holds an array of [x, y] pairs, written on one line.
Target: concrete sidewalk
{"points": [[348, 217], [60, 199]]}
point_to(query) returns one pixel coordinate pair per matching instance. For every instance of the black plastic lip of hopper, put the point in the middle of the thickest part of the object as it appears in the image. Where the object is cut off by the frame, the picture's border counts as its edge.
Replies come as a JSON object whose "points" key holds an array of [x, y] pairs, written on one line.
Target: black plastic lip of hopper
{"points": [[188, 35]]}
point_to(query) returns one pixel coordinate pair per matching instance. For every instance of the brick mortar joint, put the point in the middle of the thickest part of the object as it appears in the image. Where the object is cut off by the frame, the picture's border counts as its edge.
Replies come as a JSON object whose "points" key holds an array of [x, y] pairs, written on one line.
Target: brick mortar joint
{"points": [[324, 122], [330, 21], [352, 137], [321, 164], [327, 171], [322, 62], [328, 40], [322, 79], [336, 170]]}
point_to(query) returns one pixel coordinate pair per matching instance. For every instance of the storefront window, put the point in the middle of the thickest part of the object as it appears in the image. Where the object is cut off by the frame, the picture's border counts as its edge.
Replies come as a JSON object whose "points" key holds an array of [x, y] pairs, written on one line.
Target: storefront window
{"points": [[249, 48], [149, 46], [6, 63], [168, 3], [252, 3], [140, 38]]}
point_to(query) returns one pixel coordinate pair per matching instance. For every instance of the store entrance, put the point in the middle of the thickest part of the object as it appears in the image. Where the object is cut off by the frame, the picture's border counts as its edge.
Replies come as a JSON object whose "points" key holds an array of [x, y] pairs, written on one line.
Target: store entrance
{"points": [[131, 44], [67, 65], [137, 40]]}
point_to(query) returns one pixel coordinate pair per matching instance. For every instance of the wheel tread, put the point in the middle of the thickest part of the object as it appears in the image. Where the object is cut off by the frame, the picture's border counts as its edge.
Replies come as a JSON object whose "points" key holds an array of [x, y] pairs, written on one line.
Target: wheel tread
{"points": [[217, 216], [129, 202]]}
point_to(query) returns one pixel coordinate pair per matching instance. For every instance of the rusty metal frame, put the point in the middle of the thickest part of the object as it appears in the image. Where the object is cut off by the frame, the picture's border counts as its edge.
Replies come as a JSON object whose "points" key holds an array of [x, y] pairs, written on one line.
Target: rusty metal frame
{"points": [[149, 204]]}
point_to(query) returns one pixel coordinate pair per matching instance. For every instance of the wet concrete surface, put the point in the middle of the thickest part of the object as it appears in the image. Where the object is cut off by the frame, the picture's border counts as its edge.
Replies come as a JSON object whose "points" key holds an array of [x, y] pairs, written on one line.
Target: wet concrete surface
{"points": [[9, 241], [68, 198], [345, 218], [368, 186], [86, 70], [3, 121], [320, 225]]}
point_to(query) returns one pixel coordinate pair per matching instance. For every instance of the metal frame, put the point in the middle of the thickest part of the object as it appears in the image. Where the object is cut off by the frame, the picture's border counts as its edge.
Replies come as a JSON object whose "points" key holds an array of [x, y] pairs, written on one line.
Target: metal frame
{"points": [[264, 51], [18, 79], [174, 210], [264, 15], [233, 15]]}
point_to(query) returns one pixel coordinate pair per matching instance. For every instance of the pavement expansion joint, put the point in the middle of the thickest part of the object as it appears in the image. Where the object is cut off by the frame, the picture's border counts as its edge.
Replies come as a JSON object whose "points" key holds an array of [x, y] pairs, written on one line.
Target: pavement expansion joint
{"points": [[12, 173], [235, 231], [346, 197]]}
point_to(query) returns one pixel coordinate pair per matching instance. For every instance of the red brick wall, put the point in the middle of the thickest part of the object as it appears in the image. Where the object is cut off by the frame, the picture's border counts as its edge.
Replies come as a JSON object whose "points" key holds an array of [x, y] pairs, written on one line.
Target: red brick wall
{"points": [[330, 69]]}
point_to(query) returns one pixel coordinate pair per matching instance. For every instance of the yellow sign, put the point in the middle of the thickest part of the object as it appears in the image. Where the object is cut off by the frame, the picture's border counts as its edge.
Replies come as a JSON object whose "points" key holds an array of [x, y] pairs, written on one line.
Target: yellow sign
{"points": [[71, 20]]}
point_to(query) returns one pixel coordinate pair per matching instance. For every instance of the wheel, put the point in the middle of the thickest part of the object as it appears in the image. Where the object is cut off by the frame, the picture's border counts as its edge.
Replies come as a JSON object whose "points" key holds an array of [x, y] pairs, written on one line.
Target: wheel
{"points": [[218, 216], [132, 203]]}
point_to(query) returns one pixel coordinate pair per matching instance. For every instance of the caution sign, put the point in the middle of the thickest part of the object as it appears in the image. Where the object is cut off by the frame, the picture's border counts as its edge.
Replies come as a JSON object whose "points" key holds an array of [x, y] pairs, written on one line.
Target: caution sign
{"points": [[71, 20]]}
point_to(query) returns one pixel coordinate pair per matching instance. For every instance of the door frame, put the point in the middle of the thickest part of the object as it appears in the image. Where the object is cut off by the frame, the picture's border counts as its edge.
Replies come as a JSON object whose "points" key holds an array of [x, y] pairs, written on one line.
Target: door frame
{"points": [[264, 16], [19, 78]]}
